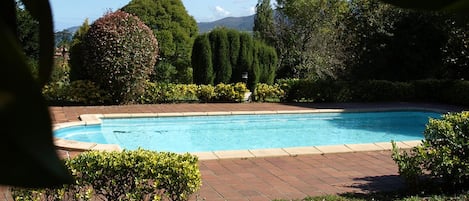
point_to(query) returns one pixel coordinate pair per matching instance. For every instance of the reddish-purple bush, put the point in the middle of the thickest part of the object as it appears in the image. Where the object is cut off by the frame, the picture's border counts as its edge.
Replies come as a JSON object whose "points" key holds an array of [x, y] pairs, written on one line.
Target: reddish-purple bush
{"points": [[119, 54]]}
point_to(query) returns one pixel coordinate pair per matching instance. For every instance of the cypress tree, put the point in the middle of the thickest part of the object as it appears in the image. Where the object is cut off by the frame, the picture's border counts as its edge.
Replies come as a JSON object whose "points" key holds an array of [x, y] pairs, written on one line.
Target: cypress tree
{"points": [[245, 56], [255, 71], [264, 22], [267, 62], [221, 55], [233, 39], [202, 60]]}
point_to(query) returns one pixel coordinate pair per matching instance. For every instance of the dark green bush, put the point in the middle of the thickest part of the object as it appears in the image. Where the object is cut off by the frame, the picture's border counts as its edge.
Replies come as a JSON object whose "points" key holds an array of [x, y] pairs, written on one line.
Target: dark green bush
{"points": [[441, 91], [80, 92], [458, 93], [119, 54], [431, 90], [444, 153], [127, 175], [382, 90]]}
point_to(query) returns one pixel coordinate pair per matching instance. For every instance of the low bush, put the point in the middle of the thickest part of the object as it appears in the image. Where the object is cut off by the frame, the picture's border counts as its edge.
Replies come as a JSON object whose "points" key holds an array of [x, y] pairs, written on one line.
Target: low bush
{"points": [[206, 93], [169, 93], [444, 153], [268, 93], [230, 92], [127, 175], [80, 92]]}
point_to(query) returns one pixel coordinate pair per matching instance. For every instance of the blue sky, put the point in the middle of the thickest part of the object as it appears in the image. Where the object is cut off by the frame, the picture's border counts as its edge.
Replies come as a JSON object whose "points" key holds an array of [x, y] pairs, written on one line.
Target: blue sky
{"points": [[68, 13]]}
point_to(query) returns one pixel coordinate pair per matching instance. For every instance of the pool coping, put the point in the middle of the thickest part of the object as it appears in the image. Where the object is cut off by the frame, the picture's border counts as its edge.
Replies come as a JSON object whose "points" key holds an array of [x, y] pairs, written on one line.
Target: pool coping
{"points": [[95, 119]]}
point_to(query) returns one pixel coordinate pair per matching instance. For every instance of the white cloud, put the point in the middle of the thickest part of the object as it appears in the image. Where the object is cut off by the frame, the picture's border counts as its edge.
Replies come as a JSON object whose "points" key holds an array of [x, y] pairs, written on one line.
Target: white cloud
{"points": [[221, 11], [252, 10]]}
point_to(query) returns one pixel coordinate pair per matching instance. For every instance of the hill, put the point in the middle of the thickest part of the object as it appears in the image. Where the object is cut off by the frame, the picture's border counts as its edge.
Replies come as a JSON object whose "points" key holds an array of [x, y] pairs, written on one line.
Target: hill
{"points": [[245, 23]]}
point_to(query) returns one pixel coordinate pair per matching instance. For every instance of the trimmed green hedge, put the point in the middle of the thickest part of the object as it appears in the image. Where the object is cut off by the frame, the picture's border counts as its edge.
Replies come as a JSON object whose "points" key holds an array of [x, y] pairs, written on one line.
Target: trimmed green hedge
{"points": [[127, 175], [442, 91], [177, 93], [287, 90]]}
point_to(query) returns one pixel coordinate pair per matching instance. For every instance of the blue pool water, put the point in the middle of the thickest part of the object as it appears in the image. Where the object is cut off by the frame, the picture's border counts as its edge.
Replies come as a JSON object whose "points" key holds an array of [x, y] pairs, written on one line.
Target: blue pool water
{"points": [[237, 132]]}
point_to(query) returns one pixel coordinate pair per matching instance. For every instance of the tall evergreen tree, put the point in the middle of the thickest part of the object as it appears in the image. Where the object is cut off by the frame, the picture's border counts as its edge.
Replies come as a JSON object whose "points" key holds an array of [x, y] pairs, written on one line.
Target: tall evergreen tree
{"points": [[221, 55], [77, 70], [202, 61], [233, 39], [264, 22], [245, 57]]}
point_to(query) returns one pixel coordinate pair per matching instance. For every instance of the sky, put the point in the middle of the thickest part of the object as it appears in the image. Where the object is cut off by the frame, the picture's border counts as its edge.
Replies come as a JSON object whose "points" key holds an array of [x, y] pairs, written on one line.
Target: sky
{"points": [[69, 13]]}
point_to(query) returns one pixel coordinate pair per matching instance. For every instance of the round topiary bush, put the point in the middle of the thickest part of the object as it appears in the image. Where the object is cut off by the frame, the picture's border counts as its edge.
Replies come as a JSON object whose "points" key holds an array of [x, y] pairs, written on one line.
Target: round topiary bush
{"points": [[119, 54]]}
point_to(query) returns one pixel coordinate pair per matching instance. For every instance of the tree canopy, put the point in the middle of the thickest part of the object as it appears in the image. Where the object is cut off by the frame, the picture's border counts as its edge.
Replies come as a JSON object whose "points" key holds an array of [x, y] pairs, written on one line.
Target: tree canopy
{"points": [[174, 28]]}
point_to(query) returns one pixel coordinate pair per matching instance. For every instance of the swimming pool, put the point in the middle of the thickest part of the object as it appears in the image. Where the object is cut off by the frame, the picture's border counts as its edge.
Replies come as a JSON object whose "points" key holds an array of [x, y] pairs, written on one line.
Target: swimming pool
{"points": [[242, 132]]}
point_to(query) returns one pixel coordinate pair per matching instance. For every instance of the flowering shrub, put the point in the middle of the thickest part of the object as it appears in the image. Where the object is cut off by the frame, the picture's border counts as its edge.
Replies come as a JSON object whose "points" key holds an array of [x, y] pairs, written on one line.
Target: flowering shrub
{"points": [[266, 92]]}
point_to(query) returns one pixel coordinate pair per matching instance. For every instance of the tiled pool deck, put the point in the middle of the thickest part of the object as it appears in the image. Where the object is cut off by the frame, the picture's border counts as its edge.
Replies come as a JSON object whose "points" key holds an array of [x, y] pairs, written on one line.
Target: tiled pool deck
{"points": [[277, 173]]}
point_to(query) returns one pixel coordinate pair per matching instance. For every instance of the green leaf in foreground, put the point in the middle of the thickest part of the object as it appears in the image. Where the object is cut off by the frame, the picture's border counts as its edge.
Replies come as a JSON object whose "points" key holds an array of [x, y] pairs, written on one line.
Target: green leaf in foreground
{"points": [[28, 155]]}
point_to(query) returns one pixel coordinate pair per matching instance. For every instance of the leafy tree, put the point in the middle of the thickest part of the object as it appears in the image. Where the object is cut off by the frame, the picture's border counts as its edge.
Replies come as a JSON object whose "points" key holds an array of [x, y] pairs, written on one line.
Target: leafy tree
{"points": [[264, 22], [119, 53], [455, 51], [174, 28], [28, 32], [390, 43], [307, 37], [77, 70], [202, 61]]}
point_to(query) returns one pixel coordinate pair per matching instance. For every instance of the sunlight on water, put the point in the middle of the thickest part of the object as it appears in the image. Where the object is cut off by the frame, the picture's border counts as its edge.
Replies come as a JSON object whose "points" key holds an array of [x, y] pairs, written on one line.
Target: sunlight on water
{"points": [[235, 132]]}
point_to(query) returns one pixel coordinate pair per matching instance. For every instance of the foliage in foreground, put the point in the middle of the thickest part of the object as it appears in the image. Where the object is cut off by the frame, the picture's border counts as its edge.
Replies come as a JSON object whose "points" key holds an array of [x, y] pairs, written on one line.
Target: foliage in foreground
{"points": [[127, 175], [443, 155]]}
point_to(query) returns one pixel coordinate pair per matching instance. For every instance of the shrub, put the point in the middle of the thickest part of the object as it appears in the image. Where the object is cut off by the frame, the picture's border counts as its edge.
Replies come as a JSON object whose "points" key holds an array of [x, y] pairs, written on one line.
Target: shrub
{"points": [[127, 175], [85, 92], [205, 93], [230, 93], [442, 91], [119, 54], [382, 90], [80, 92], [444, 152], [169, 93], [265, 92]]}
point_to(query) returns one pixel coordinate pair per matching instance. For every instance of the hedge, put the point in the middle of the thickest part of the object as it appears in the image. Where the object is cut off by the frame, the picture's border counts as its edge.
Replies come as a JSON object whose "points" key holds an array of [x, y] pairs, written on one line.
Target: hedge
{"points": [[440, 91], [287, 90], [127, 175]]}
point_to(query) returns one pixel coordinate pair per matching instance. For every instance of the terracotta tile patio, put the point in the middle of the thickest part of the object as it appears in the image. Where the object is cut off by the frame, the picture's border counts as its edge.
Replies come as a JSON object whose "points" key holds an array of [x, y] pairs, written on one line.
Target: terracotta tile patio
{"points": [[288, 177]]}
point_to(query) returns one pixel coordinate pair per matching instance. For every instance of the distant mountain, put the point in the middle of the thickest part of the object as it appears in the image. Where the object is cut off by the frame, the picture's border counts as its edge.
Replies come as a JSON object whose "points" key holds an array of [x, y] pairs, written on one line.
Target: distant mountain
{"points": [[72, 29], [239, 23], [65, 35], [245, 23]]}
